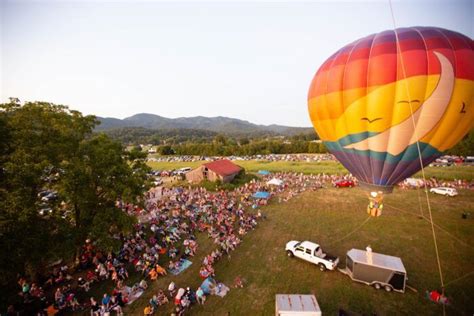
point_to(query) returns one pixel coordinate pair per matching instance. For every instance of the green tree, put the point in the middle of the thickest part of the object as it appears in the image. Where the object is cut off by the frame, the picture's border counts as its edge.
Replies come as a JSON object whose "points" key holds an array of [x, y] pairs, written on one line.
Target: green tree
{"points": [[48, 146], [166, 150], [98, 176], [465, 147], [220, 139]]}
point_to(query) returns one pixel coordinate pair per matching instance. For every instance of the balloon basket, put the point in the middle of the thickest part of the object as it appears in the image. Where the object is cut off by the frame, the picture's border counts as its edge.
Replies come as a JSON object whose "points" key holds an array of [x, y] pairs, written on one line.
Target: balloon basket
{"points": [[374, 212], [375, 206]]}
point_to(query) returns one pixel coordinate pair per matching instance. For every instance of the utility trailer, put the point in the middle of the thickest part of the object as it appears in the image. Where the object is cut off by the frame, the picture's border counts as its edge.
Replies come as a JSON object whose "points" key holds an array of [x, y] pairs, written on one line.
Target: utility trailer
{"points": [[375, 269]]}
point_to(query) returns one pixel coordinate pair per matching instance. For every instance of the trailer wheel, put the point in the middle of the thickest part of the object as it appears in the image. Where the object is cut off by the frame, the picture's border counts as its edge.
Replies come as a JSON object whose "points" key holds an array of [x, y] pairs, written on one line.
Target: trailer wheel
{"points": [[388, 288], [377, 286], [322, 267], [289, 254]]}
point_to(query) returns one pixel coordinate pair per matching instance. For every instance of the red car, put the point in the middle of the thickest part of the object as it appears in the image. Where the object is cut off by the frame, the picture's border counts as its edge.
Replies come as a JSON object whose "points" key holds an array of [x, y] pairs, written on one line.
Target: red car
{"points": [[344, 184]]}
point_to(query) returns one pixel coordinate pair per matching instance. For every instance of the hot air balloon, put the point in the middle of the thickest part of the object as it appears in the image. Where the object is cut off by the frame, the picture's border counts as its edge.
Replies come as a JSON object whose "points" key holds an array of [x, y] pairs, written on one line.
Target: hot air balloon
{"points": [[381, 101]]}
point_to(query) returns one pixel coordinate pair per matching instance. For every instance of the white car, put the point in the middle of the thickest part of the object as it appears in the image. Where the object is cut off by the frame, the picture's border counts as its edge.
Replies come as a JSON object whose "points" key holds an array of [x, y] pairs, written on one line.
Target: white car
{"points": [[311, 252], [444, 191]]}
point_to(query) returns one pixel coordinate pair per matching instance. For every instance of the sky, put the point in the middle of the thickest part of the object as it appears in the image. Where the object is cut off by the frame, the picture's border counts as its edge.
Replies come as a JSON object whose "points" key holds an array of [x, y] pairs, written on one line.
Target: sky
{"points": [[247, 60]]}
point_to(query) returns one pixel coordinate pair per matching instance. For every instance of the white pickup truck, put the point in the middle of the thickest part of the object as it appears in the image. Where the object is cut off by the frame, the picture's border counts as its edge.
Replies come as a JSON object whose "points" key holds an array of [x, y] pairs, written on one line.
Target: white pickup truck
{"points": [[311, 252]]}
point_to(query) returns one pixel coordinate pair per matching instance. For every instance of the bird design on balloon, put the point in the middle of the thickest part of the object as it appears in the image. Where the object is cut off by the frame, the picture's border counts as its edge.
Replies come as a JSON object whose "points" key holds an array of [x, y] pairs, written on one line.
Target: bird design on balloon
{"points": [[381, 101]]}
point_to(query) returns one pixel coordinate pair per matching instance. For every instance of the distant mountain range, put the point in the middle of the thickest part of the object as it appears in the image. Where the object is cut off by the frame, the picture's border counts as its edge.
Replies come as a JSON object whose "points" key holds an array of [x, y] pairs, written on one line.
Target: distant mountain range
{"points": [[217, 124]]}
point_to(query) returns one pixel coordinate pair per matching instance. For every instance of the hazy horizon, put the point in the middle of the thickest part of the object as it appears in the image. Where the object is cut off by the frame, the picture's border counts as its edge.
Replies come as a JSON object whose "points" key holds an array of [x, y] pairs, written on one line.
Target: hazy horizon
{"points": [[252, 61]]}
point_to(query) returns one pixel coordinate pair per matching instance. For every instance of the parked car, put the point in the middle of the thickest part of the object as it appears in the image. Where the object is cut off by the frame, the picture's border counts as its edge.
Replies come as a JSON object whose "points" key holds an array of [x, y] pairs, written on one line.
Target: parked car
{"points": [[157, 181], [344, 184], [444, 191], [47, 195], [440, 164], [311, 252], [45, 211], [469, 160], [375, 269]]}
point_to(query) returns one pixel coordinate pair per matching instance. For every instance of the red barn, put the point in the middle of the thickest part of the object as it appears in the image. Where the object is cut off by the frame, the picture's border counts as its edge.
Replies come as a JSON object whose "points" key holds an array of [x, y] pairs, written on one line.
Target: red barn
{"points": [[223, 170]]}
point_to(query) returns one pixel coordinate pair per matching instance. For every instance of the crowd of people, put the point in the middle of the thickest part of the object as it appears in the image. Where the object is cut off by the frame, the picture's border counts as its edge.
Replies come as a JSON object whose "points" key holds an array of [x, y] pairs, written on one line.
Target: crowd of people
{"points": [[268, 157], [177, 214]]}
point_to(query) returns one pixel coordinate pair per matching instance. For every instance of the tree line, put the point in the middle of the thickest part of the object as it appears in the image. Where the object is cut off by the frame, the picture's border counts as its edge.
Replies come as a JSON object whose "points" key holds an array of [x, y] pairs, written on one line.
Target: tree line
{"points": [[257, 147], [222, 145]]}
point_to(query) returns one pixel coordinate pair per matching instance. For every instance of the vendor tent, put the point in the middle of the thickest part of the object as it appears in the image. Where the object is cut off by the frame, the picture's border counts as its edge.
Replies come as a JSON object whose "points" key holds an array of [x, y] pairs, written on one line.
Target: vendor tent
{"points": [[296, 305], [414, 182], [261, 195], [275, 181]]}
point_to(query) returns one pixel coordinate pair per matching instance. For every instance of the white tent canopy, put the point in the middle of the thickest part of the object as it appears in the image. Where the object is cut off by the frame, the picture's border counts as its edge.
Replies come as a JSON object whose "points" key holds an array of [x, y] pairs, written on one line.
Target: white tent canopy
{"points": [[296, 305], [275, 181]]}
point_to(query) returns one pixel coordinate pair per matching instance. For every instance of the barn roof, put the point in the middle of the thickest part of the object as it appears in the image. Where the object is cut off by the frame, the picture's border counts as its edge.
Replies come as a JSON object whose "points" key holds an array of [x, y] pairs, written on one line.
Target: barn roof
{"points": [[223, 167]]}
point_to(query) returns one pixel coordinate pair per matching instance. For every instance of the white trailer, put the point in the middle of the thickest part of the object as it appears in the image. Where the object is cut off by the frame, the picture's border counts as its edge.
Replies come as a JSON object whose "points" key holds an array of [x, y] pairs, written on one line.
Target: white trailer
{"points": [[375, 269], [296, 305]]}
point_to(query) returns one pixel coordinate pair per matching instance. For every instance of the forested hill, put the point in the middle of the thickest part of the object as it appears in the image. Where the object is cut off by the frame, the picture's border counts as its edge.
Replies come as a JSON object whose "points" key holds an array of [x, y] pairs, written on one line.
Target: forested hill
{"points": [[219, 124]]}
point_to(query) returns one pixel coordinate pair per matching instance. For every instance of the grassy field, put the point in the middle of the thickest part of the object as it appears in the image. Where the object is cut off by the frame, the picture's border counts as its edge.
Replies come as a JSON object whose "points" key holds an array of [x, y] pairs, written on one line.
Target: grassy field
{"points": [[334, 218], [327, 216], [329, 167]]}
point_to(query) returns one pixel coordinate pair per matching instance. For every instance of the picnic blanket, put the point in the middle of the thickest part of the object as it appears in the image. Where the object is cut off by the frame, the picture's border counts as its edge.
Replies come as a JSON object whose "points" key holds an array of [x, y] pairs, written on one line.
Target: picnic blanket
{"points": [[207, 284], [261, 195], [210, 286], [132, 294], [183, 266], [221, 290]]}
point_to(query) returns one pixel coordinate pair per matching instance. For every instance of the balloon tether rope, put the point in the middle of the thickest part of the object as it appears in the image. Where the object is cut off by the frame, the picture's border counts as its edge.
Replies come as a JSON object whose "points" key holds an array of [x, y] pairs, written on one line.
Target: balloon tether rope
{"points": [[419, 152]]}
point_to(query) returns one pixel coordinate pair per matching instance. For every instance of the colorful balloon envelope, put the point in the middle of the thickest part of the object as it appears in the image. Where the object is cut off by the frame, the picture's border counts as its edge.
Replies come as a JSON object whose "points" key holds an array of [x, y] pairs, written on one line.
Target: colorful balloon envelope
{"points": [[383, 99]]}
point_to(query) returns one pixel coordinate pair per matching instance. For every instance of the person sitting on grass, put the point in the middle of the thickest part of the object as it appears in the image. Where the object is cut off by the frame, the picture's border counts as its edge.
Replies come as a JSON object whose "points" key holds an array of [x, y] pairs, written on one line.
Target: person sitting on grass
{"points": [[154, 302], [123, 273], [106, 300], [200, 297], [161, 297], [72, 302], [191, 295], [58, 296], [148, 310], [115, 306], [171, 265], [204, 273], [83, 284], [153, 275], [160, 270], [143, 285], [437, 297], [171, 289], [185, 302], [238, 282], [91, 277], [103, 274], [94, 307]]}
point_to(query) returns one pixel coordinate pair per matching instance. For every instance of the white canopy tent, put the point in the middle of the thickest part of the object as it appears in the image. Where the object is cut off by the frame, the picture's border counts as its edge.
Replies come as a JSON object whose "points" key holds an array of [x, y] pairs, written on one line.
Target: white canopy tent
{"points": [[275, 181], [296, 305]]}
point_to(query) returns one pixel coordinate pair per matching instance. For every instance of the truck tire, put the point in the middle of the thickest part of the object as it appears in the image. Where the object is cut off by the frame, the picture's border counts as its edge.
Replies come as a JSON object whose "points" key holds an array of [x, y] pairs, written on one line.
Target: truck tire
{"points": [[289, 253], [322, 267], [377, 286], [388, 288]]}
